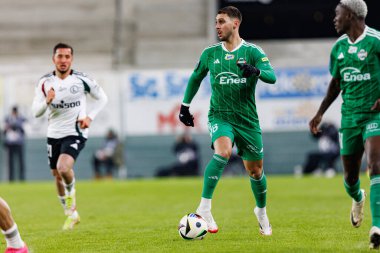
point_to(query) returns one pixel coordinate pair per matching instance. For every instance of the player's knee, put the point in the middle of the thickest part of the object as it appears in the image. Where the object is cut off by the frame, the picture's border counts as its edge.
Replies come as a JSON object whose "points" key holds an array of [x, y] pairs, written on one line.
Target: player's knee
{"points": [[255, 171], [65, 163], [62, 169], [374, 167], [225, 153]]}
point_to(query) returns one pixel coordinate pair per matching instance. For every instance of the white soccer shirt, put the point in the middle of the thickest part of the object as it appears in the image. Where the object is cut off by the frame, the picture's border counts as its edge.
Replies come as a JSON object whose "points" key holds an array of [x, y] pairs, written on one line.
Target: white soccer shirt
{"points": [[69, 103]]}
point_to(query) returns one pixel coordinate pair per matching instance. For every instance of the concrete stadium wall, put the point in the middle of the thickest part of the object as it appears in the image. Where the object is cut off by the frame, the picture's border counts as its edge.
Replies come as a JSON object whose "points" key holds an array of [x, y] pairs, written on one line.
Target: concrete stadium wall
{"points": [[151, 34], [141, 33], [33, 26], [144, 154]]}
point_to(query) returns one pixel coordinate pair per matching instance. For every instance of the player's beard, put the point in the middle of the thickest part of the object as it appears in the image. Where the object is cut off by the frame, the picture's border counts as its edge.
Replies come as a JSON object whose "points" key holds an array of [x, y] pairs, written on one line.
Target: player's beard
{"points": [[226, 37], [63, 72]]}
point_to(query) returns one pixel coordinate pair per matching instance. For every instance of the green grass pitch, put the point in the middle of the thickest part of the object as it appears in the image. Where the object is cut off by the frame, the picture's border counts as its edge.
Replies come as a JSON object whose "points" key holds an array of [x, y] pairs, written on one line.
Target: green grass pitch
{"points": [[307, 215]]}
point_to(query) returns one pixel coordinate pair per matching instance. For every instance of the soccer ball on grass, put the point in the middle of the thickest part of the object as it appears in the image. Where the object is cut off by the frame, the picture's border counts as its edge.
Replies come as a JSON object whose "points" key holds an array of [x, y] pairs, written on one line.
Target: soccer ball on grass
{"points": [[192, 226]]}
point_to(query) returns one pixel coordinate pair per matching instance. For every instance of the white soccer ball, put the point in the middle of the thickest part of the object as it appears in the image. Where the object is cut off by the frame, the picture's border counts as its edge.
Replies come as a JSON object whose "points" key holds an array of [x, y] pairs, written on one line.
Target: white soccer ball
{"points": [[192, 226]]}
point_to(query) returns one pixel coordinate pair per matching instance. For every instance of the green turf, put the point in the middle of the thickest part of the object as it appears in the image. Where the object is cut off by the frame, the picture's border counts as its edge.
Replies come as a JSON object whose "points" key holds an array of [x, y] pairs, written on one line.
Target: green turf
{"points": [[307, 215]]}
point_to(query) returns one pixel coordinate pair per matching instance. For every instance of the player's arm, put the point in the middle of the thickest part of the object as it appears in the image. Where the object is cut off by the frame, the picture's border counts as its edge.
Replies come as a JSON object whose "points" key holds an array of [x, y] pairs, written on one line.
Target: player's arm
{"points": [[261, 67], [196, 78], [376, 105], [267, 74], [42, 99], [332, 93], [97, 93], [192, 88]]}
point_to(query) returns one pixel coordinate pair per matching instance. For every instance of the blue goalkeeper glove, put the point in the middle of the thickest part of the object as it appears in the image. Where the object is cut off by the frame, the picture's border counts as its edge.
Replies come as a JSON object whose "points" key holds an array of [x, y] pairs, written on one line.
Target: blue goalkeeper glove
{"points": [[185, 117], [248, 70]]}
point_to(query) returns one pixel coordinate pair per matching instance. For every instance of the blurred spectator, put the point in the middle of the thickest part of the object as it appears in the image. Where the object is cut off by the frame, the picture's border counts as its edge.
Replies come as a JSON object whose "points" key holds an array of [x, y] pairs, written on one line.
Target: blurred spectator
{"points": [[14, 139], [187, 162], [110, 155], [325, 157]]}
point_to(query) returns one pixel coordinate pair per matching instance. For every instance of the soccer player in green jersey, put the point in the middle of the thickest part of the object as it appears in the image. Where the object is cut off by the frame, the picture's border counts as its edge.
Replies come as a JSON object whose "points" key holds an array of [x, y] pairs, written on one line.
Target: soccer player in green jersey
{"points": [[355, 70], [235, 67]]}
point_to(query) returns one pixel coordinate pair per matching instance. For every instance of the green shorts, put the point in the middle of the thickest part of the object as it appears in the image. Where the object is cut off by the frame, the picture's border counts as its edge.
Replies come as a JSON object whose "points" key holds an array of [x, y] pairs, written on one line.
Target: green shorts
{"points": [[249, 142], [352, 139]]}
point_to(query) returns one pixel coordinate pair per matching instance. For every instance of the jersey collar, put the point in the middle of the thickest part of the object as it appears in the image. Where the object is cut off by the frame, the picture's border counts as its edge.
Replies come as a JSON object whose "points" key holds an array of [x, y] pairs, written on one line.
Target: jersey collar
{"points": [[71, 72], [360, 38], [236, 48]]}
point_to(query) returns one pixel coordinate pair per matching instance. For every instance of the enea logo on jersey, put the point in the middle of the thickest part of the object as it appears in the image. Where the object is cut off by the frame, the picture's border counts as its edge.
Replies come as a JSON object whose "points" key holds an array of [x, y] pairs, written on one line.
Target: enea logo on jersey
{"points": [[230, 78], [351, 74], [229, 57]]}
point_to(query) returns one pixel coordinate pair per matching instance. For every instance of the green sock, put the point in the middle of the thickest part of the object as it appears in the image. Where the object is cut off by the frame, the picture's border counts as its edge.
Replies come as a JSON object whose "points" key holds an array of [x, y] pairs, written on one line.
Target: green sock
{"points": [[259, 189], [213, 172], [375, 200], [354, 190]]}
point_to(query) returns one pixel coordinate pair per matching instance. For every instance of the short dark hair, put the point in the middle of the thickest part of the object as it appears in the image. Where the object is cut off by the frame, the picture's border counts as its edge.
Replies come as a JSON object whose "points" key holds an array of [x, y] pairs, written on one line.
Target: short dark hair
{"points": [[63, 45], [15, 108], [232, 12]]}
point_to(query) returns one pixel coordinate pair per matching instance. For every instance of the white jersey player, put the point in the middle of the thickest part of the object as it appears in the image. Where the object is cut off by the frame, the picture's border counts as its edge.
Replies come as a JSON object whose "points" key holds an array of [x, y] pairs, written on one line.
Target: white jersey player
{"points": [[63, 94], [69, 104]]}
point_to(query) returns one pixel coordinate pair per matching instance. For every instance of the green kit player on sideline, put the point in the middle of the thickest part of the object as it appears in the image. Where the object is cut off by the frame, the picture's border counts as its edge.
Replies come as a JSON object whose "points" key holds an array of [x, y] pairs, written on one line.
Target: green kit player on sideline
{"points": [[355, 70], [235, 67]]}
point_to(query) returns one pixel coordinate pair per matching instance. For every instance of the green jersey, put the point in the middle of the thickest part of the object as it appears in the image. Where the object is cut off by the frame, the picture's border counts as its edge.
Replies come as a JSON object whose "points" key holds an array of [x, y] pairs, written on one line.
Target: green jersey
{"points": [[357, 66], [232, 95]]}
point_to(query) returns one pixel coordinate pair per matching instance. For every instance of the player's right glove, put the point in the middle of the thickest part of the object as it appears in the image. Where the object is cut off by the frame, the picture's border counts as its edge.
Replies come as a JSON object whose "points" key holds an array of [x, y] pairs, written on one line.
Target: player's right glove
{"points": [[248, 70], [185, 117]]}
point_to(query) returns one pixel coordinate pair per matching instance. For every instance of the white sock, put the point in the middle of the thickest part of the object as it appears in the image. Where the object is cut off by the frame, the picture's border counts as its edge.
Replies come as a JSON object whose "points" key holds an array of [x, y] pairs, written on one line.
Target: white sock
{"points": [[62, 200], [69, 187], [205, 204], [261, 211], [13, 237]]}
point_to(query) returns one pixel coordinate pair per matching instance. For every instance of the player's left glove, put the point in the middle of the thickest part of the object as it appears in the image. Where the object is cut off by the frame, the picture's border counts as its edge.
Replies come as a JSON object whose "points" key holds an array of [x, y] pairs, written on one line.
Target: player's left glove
{"points": [[185, 116], [248, 70]]}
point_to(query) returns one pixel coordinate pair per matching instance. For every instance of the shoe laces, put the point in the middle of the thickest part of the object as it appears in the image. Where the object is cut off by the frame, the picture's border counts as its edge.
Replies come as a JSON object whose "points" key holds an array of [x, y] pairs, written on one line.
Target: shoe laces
{"points": [[207, 216], [358, 208], [209, 219]]}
